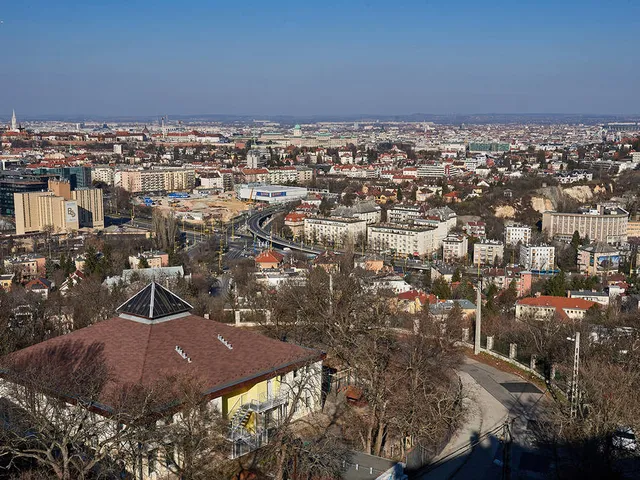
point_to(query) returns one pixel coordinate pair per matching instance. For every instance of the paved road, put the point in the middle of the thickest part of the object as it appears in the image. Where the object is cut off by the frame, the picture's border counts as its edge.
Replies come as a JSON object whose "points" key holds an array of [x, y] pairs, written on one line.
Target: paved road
{"points": [[494, 396]]}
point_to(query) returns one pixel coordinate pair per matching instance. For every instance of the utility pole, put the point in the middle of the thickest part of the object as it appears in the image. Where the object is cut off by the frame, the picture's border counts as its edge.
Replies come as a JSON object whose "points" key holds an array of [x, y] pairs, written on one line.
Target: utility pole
{"points": [[574, 377], [506, 451], [477, 338]]}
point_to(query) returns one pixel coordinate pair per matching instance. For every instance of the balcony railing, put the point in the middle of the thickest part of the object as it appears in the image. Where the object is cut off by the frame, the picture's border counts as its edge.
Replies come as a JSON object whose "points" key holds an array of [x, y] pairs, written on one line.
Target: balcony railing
{"points": [[266, 402]]}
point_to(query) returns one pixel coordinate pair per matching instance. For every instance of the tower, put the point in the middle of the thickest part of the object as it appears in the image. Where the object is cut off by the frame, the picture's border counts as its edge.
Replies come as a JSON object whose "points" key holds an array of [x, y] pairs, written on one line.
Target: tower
{"points": [[14, 123]]}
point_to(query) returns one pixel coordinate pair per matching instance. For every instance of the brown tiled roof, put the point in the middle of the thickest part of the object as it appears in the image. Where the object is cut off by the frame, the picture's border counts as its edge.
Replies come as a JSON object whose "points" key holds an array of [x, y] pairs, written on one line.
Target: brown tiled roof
{"points": [[138, 353]]}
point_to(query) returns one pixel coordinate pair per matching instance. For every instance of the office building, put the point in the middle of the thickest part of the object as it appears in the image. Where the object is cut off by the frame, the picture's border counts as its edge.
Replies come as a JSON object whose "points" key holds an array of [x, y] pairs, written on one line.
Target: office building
{"points": [[78, 177], [516, 233], [488, 252], [605, 223], [60, 208], [18, 182], [400, 239], [538, 258]]}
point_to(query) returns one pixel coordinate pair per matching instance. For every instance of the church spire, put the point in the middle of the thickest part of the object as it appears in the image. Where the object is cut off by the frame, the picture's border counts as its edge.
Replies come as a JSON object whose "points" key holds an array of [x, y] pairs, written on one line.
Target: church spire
{"points": [[14, 123]]}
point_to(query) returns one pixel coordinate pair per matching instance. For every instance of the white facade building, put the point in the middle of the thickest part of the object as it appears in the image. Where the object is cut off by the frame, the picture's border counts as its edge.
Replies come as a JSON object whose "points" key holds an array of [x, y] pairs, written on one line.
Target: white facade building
{"points": [[102, 174], [270, 193], [454, 247], [486, 252], [516, 233], [400, 240], [537, 257], [334, 231]]}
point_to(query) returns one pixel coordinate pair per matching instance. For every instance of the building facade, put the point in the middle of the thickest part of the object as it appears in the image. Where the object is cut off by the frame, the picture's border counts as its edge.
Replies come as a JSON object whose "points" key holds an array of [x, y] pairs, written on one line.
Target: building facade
{"points": [[516, 233], [400, 240], [487, 252], [537, 257], [454, 248], [334, 231], [604, 223]]}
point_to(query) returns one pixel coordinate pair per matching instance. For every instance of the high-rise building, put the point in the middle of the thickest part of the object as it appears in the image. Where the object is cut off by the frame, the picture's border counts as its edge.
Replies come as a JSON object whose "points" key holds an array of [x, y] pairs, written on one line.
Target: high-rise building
{"points": [[78, 177], [60, 208], [18, 182]]}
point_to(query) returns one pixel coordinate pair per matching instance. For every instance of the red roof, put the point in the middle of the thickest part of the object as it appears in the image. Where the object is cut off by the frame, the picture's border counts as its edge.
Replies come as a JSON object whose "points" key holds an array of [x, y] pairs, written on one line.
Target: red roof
{"points": [[269, 256], [560, 304], [138, 353]]}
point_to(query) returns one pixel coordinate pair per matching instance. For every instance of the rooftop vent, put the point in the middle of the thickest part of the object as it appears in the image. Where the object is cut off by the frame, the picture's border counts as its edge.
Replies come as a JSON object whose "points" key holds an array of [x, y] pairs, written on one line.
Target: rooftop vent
{"points": [[183, 354], [224, 342]]}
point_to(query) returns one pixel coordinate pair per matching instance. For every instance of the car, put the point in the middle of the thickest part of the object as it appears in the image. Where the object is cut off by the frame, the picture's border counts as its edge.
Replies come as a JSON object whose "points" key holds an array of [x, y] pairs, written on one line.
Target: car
{"points": [[624, 438]]}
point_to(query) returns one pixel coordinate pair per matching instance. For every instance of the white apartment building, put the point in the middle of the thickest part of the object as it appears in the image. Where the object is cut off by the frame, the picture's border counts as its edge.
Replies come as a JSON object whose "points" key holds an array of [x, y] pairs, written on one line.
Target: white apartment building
{"points": [[403, 213], [334, 231], [400, 240], [537, 257], [102, 174], [367, 211], [212, 180], [454, 247], [486, 252], [305, 175], [516, 233], [278, 176], [433, 170], [169, 180]]}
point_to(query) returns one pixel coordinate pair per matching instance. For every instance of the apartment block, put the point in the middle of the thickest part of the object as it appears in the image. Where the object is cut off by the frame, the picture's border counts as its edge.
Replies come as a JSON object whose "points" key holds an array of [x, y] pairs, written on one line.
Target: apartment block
{"points": [[487, 252], [454, 247], [537, 257], [400, 239], [516, 233], [334, 231], [160, 180]]}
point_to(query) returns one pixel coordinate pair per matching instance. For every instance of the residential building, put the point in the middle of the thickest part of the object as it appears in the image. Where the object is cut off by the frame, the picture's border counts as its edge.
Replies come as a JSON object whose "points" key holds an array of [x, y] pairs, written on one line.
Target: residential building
{"points": [[253, 381], [488, 252], [605, 223], [295, 222], [26, 267], [213, 181], [40, 286], [367, 211], [504, 278], [403, 213], [269, 260], [305, 175], [155, 180], [153, 259], [599, 297], [6, 281], [334, 230], [516, 233], [400, 240], [548, 307], [103, 174], [538, 257], [454, 248], [598, 258], [475, 229], [441, 310]]}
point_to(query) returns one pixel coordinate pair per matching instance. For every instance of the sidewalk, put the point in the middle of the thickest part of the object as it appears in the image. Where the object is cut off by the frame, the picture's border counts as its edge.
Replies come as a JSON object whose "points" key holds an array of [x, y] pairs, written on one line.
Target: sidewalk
{"points": [[484, 414]]}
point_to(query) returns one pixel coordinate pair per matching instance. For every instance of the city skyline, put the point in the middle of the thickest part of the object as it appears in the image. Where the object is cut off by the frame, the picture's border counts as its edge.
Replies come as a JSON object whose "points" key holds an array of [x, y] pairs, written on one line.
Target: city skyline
{"points": [[286, 58]]}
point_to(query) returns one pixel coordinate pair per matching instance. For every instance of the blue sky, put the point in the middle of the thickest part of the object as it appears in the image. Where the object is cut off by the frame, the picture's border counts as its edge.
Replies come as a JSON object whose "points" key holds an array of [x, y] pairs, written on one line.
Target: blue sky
{"points": [[134, 57]]}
